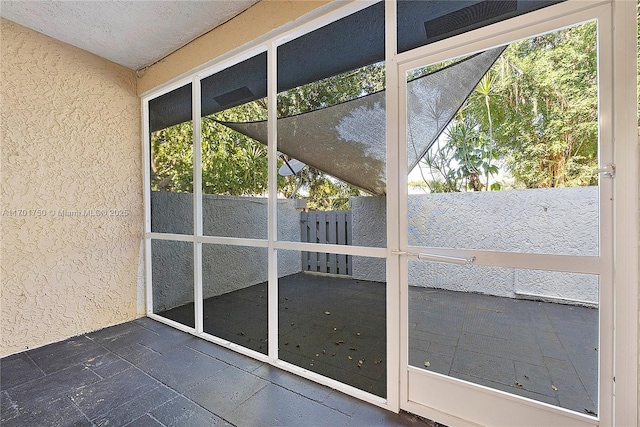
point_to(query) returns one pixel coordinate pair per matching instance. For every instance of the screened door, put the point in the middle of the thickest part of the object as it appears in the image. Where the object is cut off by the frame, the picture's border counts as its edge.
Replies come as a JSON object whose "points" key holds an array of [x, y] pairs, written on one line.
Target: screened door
{"points": [[504, 227]]}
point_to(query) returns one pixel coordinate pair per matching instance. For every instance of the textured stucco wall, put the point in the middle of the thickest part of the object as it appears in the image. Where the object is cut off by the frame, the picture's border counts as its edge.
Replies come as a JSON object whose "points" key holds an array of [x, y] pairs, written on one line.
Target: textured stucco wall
{"points": [[550, 221], [224, 268], [70, 136]]}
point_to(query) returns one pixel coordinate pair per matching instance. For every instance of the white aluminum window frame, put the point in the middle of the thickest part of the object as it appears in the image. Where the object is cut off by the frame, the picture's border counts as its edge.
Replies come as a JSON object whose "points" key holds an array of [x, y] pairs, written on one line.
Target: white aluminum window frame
{"points": [[624, 294]]}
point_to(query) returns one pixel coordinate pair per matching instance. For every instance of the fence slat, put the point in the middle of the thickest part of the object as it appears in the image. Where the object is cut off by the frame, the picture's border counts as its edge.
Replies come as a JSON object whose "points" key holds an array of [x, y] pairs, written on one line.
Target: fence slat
{"points": [[322, 238], [333, 227], [342, 238], [304, 237], [332, 237], [312, 224]]}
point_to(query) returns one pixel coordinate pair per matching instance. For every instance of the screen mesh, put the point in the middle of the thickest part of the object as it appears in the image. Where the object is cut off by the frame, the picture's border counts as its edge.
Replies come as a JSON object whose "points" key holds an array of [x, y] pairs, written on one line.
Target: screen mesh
{"points": [[348, 140]]}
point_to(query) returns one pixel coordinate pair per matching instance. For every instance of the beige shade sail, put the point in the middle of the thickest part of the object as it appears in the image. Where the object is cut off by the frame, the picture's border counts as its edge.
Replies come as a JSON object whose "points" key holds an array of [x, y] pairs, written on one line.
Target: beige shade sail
{"points": [[348, 140]]}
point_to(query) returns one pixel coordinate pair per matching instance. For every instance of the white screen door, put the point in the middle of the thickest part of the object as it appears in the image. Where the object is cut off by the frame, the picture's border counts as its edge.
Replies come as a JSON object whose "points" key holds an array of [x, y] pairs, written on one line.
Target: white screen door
{"points": [[505, 231]]}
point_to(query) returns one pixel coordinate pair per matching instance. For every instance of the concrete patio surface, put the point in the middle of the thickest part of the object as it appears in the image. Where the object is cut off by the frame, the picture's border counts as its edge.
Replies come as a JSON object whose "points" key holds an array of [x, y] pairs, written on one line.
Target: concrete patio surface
{"points": [[335, 326]]}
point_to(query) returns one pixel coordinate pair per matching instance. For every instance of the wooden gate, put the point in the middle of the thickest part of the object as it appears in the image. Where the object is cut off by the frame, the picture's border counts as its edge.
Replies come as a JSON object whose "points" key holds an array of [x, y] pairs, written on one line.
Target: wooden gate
{"points": [[326, 227]]}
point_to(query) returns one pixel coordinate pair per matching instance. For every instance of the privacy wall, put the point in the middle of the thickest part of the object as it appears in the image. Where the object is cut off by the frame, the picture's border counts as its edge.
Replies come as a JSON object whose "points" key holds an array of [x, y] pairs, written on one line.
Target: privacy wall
{"points": [[225, 268], [540, 221], [72, 218]]}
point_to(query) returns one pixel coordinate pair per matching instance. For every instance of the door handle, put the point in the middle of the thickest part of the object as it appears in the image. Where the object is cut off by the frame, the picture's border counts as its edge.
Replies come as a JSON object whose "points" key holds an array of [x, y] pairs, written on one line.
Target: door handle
{"points": [[436, 258], [609, 170]]}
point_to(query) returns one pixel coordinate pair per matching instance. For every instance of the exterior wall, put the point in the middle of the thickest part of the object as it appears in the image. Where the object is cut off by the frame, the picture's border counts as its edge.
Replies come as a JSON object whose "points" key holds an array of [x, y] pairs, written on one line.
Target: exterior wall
{"points": [[550, 221], [225, 268], [252, 24], [70, 136]]}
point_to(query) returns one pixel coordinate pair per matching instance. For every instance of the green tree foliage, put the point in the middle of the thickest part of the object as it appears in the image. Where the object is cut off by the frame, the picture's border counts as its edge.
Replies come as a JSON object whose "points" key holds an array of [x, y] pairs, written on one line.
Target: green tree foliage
{"points": [[233, 164], [172, 158], [535, 113], [462, 161], [549, 101]]}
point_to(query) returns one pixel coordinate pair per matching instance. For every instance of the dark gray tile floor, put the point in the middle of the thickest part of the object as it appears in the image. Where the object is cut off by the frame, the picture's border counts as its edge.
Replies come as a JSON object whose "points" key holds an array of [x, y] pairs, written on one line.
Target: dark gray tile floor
{"points": [[544, 351], [144, 373], [329, 325]]}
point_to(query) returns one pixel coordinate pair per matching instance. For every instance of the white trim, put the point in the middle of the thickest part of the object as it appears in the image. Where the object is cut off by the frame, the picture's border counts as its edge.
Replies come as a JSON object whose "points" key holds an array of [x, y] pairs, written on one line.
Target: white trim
{"points": [[331, 248], [345, 9], [233, 346], [511, 411], [233, 60], [564, 263], [520, 27], [626, 214], [272, 226], [169, 236], [146, 191], [197, 201], [166, 88], [329, 382], [625, 191], [607, 226], [393, 239], [233, 241], [172, 323], [487, 406], [263, 40]]}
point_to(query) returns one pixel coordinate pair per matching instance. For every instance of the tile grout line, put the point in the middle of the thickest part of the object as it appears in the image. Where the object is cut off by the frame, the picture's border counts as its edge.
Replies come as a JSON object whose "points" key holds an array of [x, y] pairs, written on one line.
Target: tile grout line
{"points": [[178, 393], [35, 363]]}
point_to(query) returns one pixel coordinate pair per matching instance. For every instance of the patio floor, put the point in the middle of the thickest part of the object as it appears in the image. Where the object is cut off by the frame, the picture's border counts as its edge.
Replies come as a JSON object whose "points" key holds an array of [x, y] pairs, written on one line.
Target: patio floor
{"points": [[144, 373], [544, 351]]}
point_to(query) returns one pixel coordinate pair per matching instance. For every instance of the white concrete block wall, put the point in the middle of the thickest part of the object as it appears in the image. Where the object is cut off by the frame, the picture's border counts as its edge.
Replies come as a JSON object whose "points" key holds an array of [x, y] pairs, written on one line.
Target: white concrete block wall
{"points": [[549, 221], [225, 268]]}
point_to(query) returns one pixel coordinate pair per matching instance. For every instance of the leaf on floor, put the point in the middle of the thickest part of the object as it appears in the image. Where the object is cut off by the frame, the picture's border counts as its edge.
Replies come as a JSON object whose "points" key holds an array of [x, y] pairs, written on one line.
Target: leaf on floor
{"points": [[327, 312], [554, 388], [427, 364]]}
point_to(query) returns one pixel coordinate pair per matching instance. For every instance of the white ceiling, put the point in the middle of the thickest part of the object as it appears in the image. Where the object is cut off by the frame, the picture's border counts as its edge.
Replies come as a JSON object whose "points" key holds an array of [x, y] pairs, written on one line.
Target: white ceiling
{"points": [[135, 34]]}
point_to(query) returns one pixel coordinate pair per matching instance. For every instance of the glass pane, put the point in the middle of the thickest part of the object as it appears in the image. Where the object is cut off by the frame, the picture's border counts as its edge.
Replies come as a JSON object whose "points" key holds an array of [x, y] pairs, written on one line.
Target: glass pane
{"points": [[334, 324], [332, 132], [527, 332], [234, 287], [172, 162], [234, 165], [502, 147], [427, 21], [172, 279]]}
